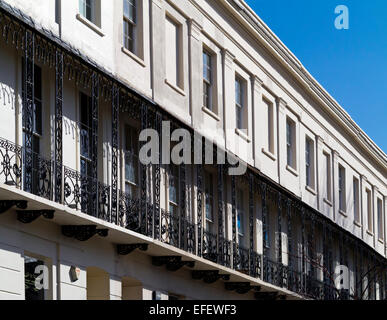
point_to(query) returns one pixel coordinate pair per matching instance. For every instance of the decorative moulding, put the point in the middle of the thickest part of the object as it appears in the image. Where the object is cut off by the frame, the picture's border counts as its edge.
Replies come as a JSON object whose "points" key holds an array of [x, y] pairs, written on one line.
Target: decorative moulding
{"points": [[90, 24]]}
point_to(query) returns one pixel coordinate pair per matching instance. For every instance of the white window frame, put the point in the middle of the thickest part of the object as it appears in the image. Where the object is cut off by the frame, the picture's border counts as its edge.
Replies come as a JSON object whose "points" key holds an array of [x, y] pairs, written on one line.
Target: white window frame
{"points": [[208, 83], [291, 143], [370, 215], [134, 185], [240, 212], [130, 24], [380, 213], [342, 188], [171, 203], [240, 106], [356, 200], [328, 172], [310, 162], [209, 222]]}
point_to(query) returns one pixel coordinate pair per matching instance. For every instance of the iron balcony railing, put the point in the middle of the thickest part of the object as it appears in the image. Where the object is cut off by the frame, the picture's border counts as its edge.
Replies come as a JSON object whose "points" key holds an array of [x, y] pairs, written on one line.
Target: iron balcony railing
{"points": [[86, 194]]}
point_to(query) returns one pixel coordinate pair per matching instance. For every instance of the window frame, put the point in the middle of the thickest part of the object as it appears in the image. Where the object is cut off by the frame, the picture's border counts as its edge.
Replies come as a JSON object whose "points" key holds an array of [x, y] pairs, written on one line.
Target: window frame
{"points": [[342, 188], [240, 105], [380, 213], [129, 26], [370, 214], [209, 195], [208, 83], [356, 200], [85, 158], [240, 216], [328, 172], [83, 5], [291, 143], [174, 175], [47, 262], [180, 81], [310, 162], [133, 154], [270, 125]]}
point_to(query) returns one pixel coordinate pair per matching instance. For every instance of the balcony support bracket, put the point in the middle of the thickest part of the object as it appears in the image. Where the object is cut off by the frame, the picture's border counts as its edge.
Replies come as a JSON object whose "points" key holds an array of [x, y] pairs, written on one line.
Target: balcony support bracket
{"points": [[173, 263], [209, 276], [266, 296], [125, 249], [5, 205], [28, 216], [241, 287], [83, 233]]}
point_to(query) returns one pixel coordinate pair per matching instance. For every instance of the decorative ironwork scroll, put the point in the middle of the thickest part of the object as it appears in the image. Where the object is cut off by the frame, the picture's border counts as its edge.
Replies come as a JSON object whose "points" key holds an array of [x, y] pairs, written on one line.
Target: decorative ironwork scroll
{"points": [[234, 220], [157, 179], [58, 125], [94, 134], [28, 107], [199, 173], [115, 126], [143, 173], [251, 222], [220, 208]]}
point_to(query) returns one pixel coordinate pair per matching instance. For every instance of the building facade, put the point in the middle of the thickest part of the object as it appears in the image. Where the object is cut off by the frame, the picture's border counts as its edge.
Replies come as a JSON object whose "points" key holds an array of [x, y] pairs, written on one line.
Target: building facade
{"points": [[81, 217]]}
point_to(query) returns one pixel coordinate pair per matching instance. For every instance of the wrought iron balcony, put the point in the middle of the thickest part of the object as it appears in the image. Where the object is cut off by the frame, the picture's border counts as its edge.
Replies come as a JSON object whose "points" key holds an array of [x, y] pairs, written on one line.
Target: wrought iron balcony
{"points": [[210, 246], [86, 194]]}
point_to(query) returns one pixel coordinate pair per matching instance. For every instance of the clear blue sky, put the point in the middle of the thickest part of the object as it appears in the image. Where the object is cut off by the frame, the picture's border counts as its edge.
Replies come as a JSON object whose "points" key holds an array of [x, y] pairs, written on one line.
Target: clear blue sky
{"points": [[350, 64]]}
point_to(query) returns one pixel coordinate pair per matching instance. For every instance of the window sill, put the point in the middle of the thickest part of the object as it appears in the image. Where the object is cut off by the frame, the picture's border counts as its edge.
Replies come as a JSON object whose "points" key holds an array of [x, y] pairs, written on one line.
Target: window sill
{"points": [[211, 113], [291, 170], [133, 56], [90, 24], [242, 135], [311, 190], [269, 154], [133, 184], [344, 214], [357, 224], [177, 89], [381, 241], [370, 233], [328, 202]]}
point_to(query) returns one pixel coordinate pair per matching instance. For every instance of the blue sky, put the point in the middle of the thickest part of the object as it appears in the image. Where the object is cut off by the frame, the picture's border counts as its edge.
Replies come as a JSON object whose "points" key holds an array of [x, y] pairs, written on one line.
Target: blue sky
{"points": [[350, 64]]}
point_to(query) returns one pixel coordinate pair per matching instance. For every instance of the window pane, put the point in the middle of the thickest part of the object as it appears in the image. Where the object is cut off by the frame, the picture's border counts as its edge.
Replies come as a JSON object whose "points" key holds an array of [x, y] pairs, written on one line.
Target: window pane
{"points": [[238, 92], [290, 142], [130, 169], [130, 10], [209, 196], [240, 212], [131, 155], [89, 9], [126, 8], [239, 117], [82, 7], [206, 95], [240, 222], [31, 291], [207, 67], [209, 210], [288, 133], [172, 51], [380, 219], [173, 184]]}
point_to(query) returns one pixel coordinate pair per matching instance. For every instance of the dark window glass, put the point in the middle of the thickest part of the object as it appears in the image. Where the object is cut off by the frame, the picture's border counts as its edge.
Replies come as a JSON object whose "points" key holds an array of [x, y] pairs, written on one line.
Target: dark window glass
{"points": [[207, 80], [31, 291], [129, 24]]}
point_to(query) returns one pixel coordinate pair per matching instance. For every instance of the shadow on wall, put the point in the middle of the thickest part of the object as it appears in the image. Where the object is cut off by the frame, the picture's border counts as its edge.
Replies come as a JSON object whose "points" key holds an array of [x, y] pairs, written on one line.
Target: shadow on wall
{"points": [[131, 289], [98, 284]]}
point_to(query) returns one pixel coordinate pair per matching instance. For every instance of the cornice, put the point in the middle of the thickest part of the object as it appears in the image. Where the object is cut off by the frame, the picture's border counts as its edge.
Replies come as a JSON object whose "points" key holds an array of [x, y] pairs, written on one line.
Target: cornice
{"points": [[229, 58], [195, 29], [282, 53]]}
